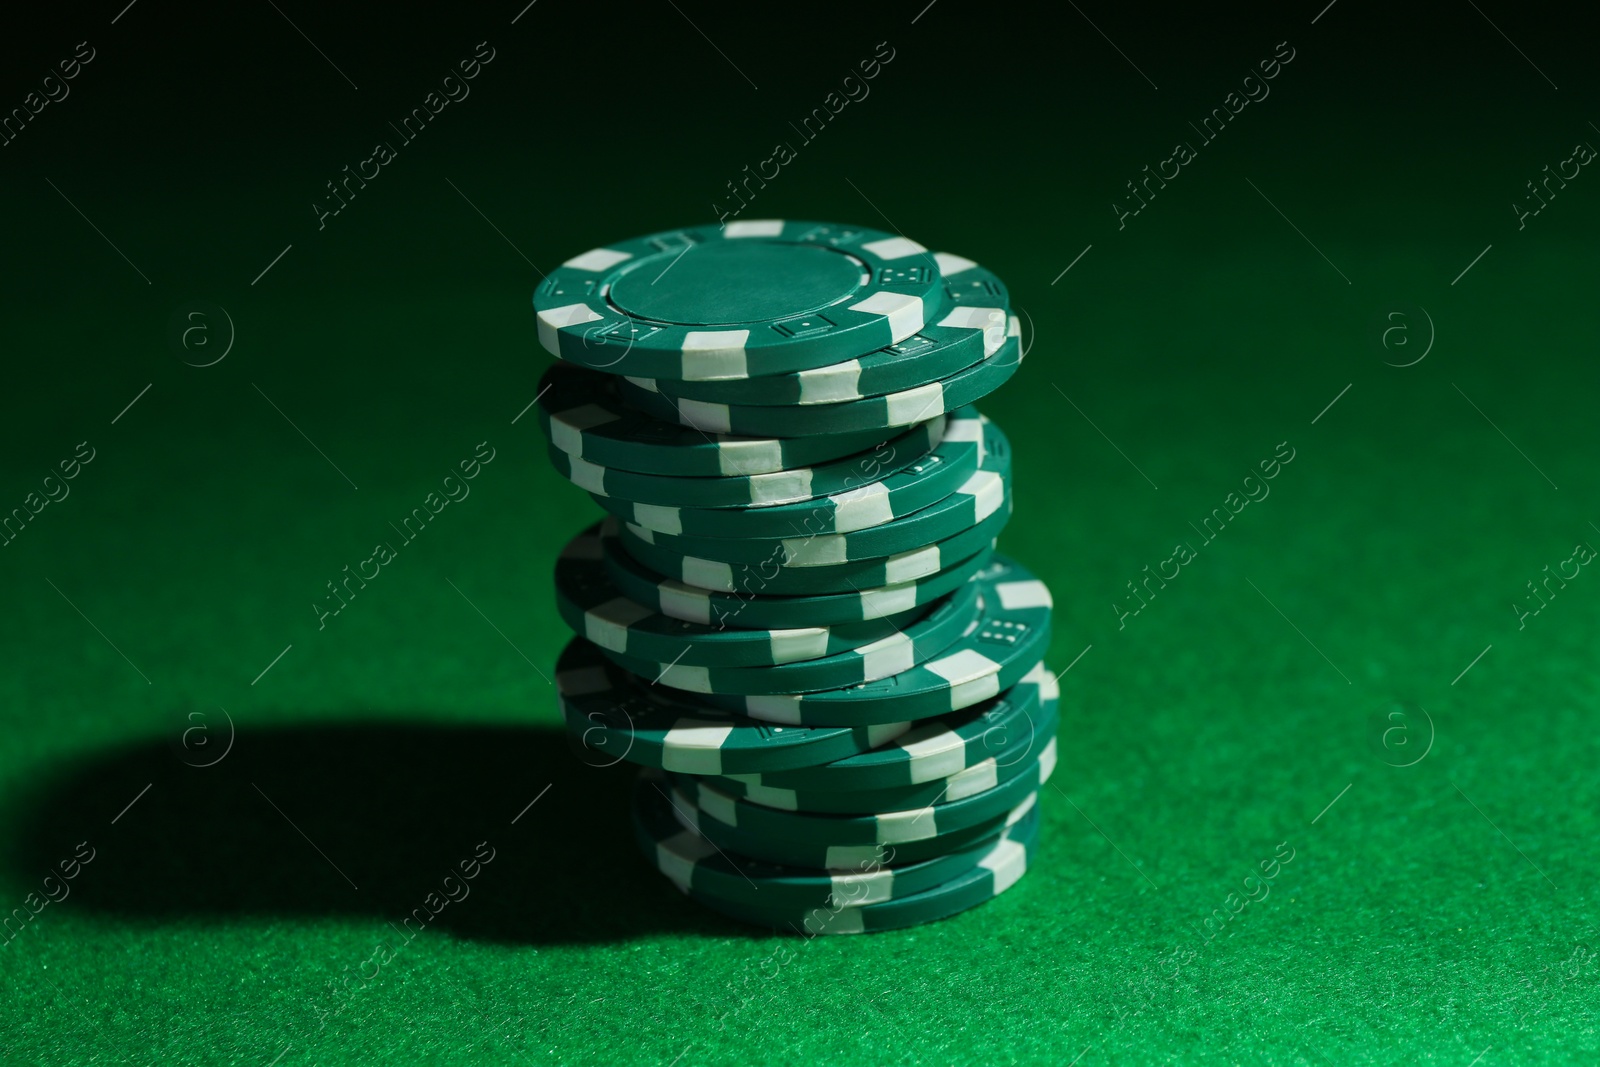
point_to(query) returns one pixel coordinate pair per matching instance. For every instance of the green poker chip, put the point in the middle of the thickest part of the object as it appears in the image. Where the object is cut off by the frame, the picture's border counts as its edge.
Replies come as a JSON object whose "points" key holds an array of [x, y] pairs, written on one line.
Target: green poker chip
{"points": [[933, 750], [1008, 635], [981, 776], [1004, 863], [895, 828], [840, 855], [593, 606], [972, 330], [695, 865], [614, 716], [904, 408], [750, 298], [581, 414], [973, 501], [692, 604], [899, 651], [836, 578], [755, 490], [879, 498]]}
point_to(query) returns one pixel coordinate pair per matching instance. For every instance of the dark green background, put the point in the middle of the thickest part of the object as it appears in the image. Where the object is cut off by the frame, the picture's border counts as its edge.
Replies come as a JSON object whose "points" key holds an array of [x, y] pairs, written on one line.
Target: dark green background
{"points": [[1436, 913]]}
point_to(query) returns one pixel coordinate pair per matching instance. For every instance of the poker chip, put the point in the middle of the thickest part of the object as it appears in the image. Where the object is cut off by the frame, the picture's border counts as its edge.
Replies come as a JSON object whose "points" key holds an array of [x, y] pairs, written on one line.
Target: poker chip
{"points": [[973, 501], [693, 604], [997, 729], [893, 827], [1006, 637], [929, 636], [831, 578], [879, 498], [582, 416], [971, 331], [696, 865], [983, 775], [793, 618], [615, 716], [749, 298], [752, 490], [1004, 863], [595, 608], [904, 408]]}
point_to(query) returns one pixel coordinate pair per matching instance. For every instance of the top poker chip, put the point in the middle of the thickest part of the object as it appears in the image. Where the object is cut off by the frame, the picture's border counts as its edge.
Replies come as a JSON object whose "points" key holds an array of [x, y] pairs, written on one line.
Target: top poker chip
{"points": [[752, 298]]}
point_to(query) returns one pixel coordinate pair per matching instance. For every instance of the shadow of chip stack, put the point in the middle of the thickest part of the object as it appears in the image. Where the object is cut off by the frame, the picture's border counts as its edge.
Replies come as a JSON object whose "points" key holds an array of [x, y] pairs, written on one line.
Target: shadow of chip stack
{"points": [[793, 616]]}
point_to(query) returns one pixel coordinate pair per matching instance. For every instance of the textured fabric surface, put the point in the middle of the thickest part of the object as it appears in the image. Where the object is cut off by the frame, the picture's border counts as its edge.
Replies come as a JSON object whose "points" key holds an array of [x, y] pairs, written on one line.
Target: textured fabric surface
{"points": [[1247, 856]]}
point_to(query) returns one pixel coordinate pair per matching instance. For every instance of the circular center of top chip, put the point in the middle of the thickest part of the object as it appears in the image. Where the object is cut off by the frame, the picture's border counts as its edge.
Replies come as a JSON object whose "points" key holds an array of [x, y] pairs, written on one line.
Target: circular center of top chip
{"points": [[734, 283]]}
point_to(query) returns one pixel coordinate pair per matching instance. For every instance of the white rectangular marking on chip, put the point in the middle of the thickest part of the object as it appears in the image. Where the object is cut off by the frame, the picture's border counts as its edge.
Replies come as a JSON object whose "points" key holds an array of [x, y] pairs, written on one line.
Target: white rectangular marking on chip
{"points": [[719, 807], [770, 796], [987, 490], [1007, 863], [894, 248], [843, 921], [1030, 594], [974, 779], [905, 313], [684, 676], [876, 603], [791, 646], [659, 517], [647, 383], [1047, 761], [816, 551], [754, 228], [694, 746], [781, 487], [914, 405], [936, 752], [976, 318], [590, 476], [552, 320], [878, 735], [682, 602], [749, 455], [643, 533], [860, 508], [1021, 810], [704, 415], [845, 857], [863, 887], [909, 566], [566, 427], [964, 430], [714, 354], [830, 385], [898, 827], [707, 573], [951, 264], [780, 708], [887, 656], [972, 676], [607, 625], [597, 259]]}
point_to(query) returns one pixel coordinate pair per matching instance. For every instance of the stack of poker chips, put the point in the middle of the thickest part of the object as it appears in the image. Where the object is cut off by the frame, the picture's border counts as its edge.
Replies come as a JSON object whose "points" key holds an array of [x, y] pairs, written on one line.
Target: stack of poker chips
{"points": [[793, 616]]}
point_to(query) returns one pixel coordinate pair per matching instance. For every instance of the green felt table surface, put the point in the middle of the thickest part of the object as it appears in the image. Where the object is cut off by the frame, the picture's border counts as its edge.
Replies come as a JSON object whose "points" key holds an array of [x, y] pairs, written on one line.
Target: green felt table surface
{"points": [[1337, 688]]}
